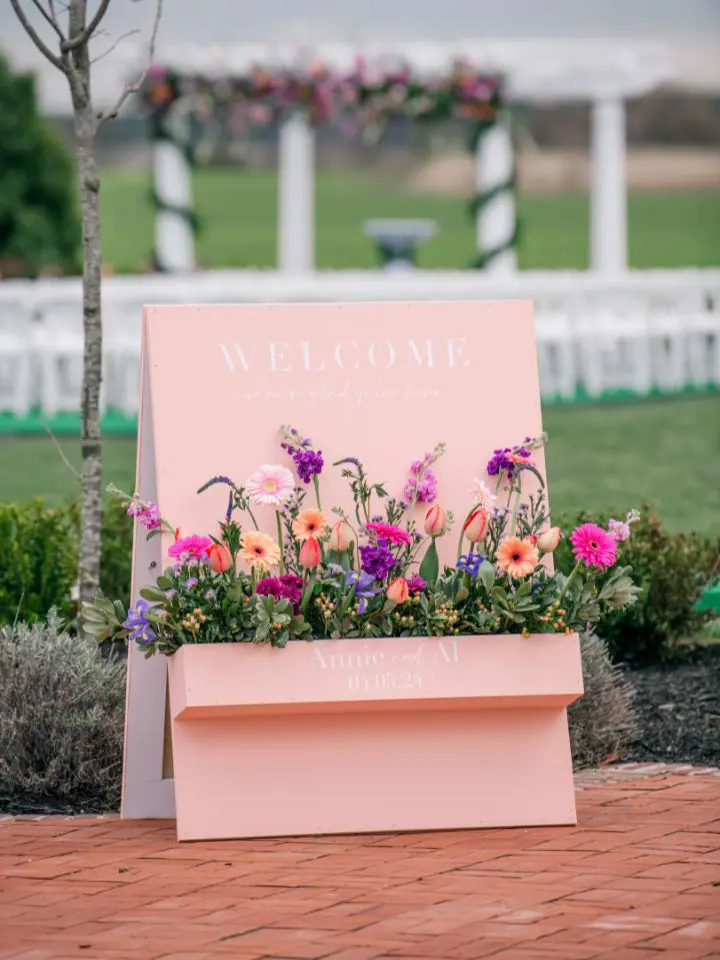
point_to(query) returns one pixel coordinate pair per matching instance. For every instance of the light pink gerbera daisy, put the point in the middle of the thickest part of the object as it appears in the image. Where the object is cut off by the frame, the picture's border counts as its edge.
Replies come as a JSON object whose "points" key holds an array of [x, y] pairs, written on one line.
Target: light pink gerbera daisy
{"points": [[594, 546], [270, 486], [389, 532]]}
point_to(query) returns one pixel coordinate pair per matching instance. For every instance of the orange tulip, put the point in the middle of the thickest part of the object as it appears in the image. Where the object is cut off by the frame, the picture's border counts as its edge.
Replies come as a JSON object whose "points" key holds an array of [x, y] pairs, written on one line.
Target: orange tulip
{"points": [[310, 554], [476, 525], [436, 521], [220, 558], [549, 540], [340, 536], [398, 591]]}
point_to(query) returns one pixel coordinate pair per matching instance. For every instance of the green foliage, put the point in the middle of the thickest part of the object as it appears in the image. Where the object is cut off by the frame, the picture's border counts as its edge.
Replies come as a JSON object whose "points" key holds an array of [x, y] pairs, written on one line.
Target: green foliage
{"points": [[602, 721], [39, 222], [39, 559], [38, 562], [61, 719], [116, 557], [671, 571]]}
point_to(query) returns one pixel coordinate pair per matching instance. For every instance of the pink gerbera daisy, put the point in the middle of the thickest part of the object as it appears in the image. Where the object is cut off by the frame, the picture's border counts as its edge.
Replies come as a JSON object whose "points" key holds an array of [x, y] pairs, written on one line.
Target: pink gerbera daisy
{"points": [[270, 486], [595, 546], [389, 532], [187, 548]]}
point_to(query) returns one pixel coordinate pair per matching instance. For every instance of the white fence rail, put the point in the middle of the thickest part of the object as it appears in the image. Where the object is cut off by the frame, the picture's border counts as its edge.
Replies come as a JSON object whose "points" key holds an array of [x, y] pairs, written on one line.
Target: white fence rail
{"points": [[640, 332]]}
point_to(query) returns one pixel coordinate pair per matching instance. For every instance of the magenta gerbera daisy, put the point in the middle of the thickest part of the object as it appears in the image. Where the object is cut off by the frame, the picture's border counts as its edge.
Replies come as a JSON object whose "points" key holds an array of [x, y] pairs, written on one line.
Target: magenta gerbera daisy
{"points": [[389, 532], [594, 546]]}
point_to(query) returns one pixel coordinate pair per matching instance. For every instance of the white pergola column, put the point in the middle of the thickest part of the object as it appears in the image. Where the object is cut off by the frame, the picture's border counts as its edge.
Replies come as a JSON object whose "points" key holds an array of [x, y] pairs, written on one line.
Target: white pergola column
{"points": [[296, 205], [496, 220], [608, 201], [172, 178]]}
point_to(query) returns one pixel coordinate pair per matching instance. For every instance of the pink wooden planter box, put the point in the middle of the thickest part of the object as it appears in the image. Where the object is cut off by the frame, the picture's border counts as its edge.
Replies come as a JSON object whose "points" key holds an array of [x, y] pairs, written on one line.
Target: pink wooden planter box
{"points": [[358, 736]]}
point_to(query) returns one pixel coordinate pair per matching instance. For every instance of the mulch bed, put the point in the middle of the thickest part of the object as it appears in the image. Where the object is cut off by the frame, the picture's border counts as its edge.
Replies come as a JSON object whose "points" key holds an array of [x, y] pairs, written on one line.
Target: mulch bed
{"points": [[678, 710]]}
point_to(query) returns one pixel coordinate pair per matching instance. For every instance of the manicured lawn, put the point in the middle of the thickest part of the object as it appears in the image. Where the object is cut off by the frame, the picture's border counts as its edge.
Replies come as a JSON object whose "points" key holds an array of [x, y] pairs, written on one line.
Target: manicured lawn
{"points": [[613, 457], [238, 212]]}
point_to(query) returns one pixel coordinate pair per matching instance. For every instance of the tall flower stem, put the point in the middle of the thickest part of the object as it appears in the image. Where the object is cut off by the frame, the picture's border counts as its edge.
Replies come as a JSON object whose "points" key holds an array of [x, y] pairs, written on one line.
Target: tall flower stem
{"points": [[255, 523], [317, 491], [515, 508], [280, 543], [573, 574]]}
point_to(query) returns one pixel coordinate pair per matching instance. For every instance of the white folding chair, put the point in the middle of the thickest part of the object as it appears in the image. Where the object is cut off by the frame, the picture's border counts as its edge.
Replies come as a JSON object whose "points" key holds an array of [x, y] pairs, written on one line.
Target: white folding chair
{"points": [[16, 351], [59, 351], [614, 351], [557, 366], [122, 323]]}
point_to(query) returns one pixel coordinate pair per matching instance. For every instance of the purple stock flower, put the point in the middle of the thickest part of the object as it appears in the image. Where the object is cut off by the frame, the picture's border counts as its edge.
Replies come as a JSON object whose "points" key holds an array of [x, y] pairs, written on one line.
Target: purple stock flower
{"points": [[308, 463], [376, 559], [500, 461], [137, 623], [190, 583], [147, 513]]}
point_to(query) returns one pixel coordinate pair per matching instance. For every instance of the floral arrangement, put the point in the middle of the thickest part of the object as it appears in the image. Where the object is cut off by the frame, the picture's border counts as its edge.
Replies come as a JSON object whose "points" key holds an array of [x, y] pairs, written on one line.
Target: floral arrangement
{"points": [[360, 97], [372, 572]]}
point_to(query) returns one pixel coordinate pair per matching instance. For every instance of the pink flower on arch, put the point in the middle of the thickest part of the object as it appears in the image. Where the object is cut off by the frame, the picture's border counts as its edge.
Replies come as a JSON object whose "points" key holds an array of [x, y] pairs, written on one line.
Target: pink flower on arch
{"points": [[594, 546]]}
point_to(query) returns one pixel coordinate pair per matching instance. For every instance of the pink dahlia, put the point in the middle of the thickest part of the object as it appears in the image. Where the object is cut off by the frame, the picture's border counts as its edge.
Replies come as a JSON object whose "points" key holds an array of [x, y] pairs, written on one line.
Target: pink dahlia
{"points": [[190, 548], [389, 532], [270, 486], [595, 546]]}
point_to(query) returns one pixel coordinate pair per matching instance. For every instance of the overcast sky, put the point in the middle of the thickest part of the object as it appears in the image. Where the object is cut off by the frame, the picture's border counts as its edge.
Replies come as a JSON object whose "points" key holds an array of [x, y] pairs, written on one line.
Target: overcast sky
{"points": [[688, 22]]}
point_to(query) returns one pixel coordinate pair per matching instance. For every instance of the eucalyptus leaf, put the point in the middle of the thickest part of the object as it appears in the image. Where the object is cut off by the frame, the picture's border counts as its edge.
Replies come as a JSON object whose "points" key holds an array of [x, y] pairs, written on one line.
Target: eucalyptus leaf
{"points": [[486, 574], [153, 595]]}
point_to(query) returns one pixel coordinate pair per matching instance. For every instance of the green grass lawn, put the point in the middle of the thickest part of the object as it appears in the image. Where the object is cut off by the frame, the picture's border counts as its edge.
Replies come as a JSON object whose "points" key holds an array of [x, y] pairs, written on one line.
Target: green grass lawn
{"points": [[665, 451], [238, 211]]}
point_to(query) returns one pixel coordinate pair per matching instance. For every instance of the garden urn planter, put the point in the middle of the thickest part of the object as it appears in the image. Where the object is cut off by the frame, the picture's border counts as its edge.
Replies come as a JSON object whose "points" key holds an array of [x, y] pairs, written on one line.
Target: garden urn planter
{"points": [[372, 735]]}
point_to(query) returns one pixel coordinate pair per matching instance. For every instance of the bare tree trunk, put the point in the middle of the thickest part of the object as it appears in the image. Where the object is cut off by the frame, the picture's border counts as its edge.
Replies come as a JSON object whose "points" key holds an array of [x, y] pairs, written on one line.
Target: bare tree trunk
{"points": [[85, 128], [73, 59]]}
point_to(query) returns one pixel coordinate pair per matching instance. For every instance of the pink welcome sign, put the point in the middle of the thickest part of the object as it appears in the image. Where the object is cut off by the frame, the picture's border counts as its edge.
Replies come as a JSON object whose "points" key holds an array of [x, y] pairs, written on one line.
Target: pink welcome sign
{"points": [[383, 382]]}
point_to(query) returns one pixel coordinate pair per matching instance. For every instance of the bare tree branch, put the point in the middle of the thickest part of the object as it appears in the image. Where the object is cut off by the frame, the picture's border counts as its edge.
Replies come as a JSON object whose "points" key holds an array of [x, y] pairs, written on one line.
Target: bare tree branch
{"points": [[35, 37], [63, 455], [134, 87], [72, 43], [50, 17], [123, 36]]}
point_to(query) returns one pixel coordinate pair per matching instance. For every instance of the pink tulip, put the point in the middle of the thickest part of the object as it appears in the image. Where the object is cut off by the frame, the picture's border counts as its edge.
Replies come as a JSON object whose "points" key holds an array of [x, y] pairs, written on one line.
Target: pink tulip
{"points": [[310, 554], [398, 591], [340, 536], [476, 525], [436, 521], [220, 558], [549, 540]]}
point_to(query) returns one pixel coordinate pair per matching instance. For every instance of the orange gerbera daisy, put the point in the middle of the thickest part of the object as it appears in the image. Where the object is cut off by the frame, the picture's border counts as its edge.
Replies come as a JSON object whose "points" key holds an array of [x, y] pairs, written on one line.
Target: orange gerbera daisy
{"points": [[310, 523], [517, 557], [259, 550]]}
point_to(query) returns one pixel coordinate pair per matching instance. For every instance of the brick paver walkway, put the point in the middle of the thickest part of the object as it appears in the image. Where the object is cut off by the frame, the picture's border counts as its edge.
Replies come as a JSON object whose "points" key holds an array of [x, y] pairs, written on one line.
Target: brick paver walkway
{"points": [[639, 879]]}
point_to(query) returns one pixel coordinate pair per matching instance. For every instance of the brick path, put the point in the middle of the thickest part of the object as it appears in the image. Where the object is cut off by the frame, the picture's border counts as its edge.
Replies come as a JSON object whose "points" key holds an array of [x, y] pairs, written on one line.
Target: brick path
{"points": [[638, 880]]}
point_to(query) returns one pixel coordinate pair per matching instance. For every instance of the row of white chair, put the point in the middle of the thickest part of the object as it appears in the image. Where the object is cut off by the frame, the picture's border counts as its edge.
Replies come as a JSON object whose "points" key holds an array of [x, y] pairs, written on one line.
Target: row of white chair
{"points": [[589, 346], [41, 358]]}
